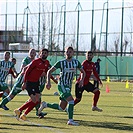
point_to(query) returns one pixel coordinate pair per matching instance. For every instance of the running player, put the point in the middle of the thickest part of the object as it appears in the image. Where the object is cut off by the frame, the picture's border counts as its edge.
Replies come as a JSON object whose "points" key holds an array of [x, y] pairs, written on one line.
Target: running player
{"points": [[36, 69], [15, 90], [68, 68], [89, 68]]}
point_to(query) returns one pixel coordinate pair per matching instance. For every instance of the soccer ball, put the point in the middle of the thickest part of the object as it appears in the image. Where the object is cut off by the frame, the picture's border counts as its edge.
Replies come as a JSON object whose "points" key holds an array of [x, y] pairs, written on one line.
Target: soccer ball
{"points": [[56, 93]]}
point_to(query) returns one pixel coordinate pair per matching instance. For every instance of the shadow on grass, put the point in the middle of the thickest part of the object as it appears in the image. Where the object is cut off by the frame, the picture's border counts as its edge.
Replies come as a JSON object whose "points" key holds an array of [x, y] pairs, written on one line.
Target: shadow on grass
{"points": [[108, 125], [28, 125]]}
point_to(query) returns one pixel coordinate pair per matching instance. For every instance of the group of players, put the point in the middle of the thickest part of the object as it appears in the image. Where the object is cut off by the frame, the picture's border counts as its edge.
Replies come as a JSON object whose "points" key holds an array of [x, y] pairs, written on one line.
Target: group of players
{"points": [[33, 76]]}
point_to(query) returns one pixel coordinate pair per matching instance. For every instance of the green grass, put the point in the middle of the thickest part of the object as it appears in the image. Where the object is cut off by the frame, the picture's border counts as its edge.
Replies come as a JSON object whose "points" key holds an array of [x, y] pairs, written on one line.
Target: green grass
{"points": [[117, 115]]}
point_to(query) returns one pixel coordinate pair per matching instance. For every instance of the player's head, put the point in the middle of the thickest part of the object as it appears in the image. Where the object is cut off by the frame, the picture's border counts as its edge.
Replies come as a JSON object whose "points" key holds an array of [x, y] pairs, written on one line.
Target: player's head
{"points": [[69, 51], [43, 53], [32, 53], [6, 55], [89, 55], [14, 61], [98, 60]]}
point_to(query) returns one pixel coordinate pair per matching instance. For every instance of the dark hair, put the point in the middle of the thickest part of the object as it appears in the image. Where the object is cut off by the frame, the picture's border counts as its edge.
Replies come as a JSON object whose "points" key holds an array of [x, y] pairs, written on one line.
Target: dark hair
{"points": [[13, 59], [89, 52], [70, 47], [7, 52], [44, 49]]}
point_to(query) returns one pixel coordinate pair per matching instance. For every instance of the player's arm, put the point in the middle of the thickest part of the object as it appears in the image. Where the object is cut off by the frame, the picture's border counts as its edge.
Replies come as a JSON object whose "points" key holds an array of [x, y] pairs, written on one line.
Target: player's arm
{"points": [[49, 74], [82, 74], [12, 73], [48, 85], [52, 77]]}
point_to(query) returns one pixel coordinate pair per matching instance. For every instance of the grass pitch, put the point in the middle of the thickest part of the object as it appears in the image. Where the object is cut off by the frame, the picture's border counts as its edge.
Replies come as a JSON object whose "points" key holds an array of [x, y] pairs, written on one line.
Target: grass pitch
{"points": [[117, 115]]}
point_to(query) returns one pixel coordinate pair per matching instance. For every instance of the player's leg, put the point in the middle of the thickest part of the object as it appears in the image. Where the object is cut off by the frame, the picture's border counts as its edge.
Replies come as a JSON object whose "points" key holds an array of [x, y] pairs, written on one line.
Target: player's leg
{"points": [[91, 88], [42, 114], [15, 90], [78, 93], [5, 89], [34, 95], [70, 110], [54, 105]]}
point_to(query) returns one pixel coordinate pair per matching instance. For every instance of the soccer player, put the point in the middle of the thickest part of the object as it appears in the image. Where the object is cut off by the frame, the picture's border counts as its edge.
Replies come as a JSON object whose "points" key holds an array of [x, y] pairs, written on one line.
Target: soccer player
{"points": [[5, 66], [36, 69], [89, 68], [68, 68], [15, 90], [97, 65]]}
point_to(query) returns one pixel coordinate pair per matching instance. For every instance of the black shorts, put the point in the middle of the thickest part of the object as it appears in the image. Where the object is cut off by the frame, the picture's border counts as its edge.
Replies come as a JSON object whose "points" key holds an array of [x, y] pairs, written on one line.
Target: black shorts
{"points": [[89, 88], [32, 88]]}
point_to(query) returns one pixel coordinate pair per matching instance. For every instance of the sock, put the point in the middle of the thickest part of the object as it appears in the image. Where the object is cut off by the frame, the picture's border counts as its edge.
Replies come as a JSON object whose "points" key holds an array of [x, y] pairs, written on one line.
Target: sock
{"points": [[96, 97], [53, 106], [31, 106], [5, 94], [5, 100], [37, 106], [25, 105], [70, 109], [76, 101]]}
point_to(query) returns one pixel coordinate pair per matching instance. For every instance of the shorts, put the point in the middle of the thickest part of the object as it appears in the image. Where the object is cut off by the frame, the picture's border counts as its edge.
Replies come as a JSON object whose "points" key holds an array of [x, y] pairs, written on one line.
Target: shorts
{"points": [[89, 88], [3, 86], [41, 87], [32, 88], [64, 92]]}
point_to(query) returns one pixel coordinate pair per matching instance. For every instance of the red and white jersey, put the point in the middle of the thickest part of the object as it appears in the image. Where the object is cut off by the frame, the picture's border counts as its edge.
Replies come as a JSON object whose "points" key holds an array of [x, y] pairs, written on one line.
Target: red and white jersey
{"points": [[35, 70], [89, 68]]}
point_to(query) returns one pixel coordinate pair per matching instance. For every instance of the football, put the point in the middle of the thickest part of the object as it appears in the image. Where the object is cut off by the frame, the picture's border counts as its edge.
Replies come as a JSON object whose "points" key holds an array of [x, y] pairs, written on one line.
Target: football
{"points": [[56, 93]]}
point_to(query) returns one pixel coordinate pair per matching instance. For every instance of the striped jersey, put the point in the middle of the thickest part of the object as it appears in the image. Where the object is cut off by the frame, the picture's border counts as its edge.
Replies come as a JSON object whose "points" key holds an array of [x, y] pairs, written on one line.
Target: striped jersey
{"points": [[26, 61], [67, 71], [20, 79], [4, 69]]}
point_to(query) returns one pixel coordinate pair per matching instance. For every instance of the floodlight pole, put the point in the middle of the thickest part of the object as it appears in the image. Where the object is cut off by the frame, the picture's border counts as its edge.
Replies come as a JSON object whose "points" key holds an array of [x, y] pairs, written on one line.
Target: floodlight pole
{"points": [[78, 5], [102, 24], [39, 26], [16, 19], [51, 26], [122, 19], [92, 21], [64, 27], [6, 27]]}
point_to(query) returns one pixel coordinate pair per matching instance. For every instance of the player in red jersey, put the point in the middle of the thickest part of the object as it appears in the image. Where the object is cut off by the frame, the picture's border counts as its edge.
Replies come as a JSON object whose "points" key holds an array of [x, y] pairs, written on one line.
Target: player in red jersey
{"points": [[89, 68], [35, 70]]}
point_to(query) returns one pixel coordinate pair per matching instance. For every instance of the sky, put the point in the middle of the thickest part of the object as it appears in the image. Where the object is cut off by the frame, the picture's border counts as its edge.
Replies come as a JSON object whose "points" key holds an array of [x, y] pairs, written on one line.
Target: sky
{"points": [[85, 6]]}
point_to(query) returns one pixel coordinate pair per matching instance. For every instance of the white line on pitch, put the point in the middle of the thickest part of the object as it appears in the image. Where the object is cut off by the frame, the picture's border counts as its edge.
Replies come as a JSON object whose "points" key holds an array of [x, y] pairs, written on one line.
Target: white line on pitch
{"points": [[36, 124]]}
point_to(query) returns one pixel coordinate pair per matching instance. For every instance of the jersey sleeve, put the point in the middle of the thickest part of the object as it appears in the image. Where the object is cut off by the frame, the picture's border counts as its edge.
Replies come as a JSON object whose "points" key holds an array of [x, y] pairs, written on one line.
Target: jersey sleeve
{"points": [[79, 65], [57, 65]]}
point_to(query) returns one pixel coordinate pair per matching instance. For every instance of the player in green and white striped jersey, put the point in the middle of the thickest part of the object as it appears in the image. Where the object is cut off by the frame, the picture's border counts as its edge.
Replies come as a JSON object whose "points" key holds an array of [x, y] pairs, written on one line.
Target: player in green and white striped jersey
{"points": [[27, 60], [15, 90], [5, 66], [68, 68]]}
